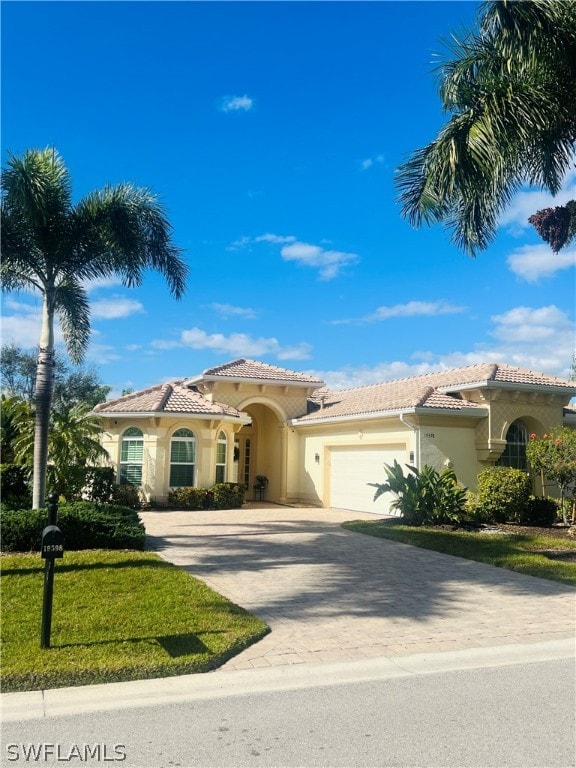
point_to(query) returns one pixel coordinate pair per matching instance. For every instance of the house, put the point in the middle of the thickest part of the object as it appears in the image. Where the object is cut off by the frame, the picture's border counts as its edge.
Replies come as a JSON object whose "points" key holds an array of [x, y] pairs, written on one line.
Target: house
{"points": [[323, 447]]}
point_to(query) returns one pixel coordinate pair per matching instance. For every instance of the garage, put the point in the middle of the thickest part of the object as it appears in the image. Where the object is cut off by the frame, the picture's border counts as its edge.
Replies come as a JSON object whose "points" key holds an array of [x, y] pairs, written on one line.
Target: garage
{"points": [[351, 469]]}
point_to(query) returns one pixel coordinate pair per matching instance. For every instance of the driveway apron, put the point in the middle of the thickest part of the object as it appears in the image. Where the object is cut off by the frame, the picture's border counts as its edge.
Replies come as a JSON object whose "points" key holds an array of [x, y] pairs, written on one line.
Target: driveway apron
{"points": [[332, 595]]}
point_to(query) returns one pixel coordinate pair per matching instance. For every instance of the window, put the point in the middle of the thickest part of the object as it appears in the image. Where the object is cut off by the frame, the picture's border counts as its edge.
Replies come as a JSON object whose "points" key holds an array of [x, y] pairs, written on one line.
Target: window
{"points": [[221, 451], [131, 457], [182, 458], [514, 454]]}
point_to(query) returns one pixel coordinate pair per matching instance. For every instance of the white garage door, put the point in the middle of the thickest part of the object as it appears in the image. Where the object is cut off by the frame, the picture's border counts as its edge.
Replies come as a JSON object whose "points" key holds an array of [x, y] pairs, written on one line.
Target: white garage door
{"points": [[351, 469]]}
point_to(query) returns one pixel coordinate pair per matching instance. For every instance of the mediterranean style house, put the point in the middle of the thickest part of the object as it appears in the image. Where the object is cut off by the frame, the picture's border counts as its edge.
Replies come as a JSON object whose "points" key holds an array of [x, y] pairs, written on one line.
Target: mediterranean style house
{"points": [[246, 419]]}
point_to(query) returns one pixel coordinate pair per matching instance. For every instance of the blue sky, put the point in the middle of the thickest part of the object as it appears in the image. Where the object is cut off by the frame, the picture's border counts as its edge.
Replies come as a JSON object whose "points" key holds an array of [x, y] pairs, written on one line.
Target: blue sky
{"points": [[271, 132]]}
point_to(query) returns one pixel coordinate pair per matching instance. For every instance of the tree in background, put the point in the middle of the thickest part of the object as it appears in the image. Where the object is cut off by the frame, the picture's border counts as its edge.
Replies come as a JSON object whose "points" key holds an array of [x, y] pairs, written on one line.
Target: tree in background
{"points": [[71, 385], [554, 455], [511, 91], [52, 246]]}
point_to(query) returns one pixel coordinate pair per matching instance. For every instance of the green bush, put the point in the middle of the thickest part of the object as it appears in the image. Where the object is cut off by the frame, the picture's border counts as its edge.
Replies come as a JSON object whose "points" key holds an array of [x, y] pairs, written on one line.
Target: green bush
{"points": [[188, 498], [503, 494], [126, 495], [540, 511], [85, 525], [15, 489], [228, 495], [424, 497]]}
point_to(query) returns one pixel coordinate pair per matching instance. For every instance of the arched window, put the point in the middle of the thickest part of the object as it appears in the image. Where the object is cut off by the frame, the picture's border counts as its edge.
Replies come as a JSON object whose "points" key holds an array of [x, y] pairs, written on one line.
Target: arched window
{"points": [[182, 458], [221, 452], [131, 456], [514, 454]]}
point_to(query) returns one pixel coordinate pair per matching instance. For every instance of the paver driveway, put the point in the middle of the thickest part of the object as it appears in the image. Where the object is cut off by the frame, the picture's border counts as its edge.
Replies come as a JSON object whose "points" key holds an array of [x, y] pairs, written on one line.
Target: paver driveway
{"points": [[331, 595]]}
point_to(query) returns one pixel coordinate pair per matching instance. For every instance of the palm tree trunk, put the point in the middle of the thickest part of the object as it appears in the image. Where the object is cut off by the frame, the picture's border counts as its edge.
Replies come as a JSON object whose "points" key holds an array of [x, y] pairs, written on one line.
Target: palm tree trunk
{"points": [[43, 400]]}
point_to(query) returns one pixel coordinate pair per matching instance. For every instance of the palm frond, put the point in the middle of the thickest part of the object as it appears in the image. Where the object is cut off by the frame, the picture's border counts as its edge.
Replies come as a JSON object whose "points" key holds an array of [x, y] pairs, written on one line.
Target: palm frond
{"points": [[73, 309]]}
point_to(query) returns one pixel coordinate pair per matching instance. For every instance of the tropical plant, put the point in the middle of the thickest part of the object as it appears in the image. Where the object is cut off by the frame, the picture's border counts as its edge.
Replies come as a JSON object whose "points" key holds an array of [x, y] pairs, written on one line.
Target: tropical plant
{"points": [[554, 455], [52, 246], [73, 443], [510, 88], [423, 497]]}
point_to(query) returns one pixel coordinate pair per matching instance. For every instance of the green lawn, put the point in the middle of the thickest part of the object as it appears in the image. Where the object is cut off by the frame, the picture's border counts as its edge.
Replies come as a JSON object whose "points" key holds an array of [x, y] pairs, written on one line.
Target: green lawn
{"points": [[522, 553], [117, 615]]}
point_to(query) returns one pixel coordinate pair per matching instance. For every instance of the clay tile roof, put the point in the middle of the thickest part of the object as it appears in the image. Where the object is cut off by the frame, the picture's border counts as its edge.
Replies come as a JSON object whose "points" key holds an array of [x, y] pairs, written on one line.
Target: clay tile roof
{"points": [[172, 397], [254, 370], [431, 390]]}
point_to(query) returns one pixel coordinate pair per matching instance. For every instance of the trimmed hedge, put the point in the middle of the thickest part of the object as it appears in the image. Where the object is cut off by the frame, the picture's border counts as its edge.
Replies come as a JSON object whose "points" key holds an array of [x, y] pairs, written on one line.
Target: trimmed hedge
{"points": [[85, 525], [220, 496], [540, 511]]}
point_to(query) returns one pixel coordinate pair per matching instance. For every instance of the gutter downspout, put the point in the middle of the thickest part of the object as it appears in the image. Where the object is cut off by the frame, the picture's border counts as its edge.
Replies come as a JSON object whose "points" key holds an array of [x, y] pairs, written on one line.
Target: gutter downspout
{"points": [[416, 431]]}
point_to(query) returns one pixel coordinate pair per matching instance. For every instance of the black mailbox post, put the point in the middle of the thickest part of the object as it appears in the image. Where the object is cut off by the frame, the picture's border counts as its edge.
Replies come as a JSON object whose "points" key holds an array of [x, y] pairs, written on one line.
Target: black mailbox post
{"points": [[52, 547]]}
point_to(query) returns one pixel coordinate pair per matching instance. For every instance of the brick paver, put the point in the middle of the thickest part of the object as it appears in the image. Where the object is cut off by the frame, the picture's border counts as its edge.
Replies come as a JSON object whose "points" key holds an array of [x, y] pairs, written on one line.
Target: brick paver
{"points": [[333, 595]]}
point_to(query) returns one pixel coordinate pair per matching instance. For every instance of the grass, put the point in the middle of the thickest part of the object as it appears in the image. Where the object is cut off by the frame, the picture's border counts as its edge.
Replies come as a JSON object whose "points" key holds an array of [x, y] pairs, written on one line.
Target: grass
{"points": [[522, 553], [117, 615]]}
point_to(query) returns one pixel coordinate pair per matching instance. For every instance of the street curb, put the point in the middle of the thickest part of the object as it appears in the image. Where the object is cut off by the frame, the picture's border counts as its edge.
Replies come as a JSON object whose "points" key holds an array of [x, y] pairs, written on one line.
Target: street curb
{"points": [[59, 702]]}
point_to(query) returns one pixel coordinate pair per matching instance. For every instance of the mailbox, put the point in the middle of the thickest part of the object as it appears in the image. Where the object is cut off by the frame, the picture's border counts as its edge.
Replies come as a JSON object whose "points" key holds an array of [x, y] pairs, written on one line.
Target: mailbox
{"points": [[52, 542]]}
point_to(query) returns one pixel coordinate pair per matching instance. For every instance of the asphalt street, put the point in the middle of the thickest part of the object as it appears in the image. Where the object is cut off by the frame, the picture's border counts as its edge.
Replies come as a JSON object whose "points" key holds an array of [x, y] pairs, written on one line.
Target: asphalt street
{"points": [[508, 715]]}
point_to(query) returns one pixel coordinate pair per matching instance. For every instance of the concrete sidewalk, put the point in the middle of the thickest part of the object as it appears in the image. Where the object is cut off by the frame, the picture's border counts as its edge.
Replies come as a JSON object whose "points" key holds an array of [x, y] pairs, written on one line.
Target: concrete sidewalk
{"points": [[330, 595]]}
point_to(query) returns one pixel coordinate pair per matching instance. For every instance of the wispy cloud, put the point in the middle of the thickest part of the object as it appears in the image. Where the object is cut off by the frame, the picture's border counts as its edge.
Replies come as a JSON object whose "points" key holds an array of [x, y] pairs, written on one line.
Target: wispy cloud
{"points": [[114, 308], [237, 345], [328, 263], [533, 262], [537, 338], [236, 104], [411, 309], [369, 162], [271, 238], [228, 310]]}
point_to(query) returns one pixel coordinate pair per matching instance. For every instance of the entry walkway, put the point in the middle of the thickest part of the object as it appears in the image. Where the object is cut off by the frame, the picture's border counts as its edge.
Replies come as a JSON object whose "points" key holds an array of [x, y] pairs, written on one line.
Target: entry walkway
{"points": [[332, 595]]}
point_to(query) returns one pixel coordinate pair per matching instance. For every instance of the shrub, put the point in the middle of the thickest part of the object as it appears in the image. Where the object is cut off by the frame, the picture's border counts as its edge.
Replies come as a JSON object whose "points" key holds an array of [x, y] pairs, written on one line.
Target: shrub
{"points": [[85, 525], [424, 497], [126, 495], [503, 494], [539, 511], [15, 490], [554, 455], [188, 498], [228, 495]]}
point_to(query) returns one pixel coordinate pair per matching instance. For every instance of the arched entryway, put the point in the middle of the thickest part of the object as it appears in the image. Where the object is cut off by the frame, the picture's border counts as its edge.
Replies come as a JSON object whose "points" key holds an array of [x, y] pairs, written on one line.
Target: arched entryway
{"points": [[259, 451]]}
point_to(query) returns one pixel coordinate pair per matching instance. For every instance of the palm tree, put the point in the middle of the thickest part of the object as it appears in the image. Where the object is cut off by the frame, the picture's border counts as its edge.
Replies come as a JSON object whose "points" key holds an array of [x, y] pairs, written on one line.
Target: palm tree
{"points": [[511, 92], [52, 246]]}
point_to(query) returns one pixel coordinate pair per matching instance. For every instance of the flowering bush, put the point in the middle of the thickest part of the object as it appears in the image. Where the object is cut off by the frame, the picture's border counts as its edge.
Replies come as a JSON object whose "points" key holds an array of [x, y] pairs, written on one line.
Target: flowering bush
{"points": [[554, 455]]}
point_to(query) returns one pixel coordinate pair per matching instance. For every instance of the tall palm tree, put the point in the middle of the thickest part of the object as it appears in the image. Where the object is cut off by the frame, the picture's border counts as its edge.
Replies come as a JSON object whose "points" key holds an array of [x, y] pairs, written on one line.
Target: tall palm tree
{"points": [[511, 91], [52, 246]]}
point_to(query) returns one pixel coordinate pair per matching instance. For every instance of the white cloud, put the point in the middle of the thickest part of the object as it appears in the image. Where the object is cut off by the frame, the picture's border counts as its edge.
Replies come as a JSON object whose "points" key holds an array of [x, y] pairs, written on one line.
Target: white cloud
{"points": [[329, 263], [115, 308], [271, 238], [22, 326], [411, 309], [540, 339], [527, 202], [228, 310], [532, 262], [371, 161], [237, 104], [237, 345], [101, 282]]}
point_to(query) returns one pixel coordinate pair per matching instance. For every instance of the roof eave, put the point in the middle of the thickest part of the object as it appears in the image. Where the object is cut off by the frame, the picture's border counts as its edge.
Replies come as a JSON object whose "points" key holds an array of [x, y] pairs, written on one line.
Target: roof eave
{"points": [[491, 384], [255, 380], [478, 413], [242, 418]]}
